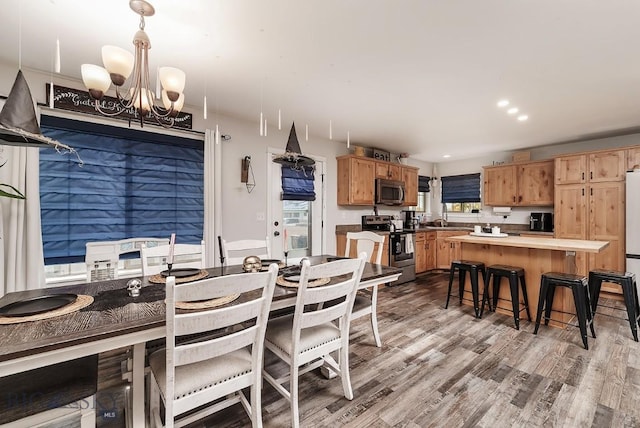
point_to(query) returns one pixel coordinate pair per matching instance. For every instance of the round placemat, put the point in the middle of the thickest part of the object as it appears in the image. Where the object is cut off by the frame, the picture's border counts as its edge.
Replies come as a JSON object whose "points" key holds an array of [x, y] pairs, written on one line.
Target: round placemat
{"points": [[315, 283], [207, 304], [159, 279], [81, 301]]}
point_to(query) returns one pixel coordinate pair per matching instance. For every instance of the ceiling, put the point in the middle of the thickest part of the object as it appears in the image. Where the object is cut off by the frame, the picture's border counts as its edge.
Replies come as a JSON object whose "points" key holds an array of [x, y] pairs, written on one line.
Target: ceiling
{"points": [[415, 76]]}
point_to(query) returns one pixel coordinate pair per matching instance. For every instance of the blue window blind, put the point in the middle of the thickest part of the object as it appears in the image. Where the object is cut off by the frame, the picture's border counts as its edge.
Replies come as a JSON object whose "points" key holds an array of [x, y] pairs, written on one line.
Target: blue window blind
{"points": [[132, 184], [461, 188], [423, 183], [297, 184]]}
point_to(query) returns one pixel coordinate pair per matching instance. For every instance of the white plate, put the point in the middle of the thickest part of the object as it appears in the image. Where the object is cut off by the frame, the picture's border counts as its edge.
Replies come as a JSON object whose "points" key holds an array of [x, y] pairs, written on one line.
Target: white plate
{"points": [[489, 235]]}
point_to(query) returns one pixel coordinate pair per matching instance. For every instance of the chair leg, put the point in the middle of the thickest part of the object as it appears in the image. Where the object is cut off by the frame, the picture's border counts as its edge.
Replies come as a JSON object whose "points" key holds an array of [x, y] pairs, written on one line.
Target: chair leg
{"points": [[590, 315], [462, 275], [256, 404], [474, 292], [485, 293], [374, 315], [515, 299], [629, 301], [595, 284], [293, 391], [541, 301], [451, 274], [496, 290], [344, 372], [525, 298], [551, 292], [581, 312]]}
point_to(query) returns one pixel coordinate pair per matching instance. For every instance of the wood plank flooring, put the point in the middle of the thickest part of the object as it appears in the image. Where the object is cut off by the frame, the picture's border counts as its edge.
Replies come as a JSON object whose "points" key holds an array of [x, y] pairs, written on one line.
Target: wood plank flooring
{"points": [[442, 367]]}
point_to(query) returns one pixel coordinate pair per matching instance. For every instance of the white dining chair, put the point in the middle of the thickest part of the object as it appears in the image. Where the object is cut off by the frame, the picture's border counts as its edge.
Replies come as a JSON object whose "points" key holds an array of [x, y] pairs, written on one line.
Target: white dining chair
{"points": [[154, 259], [234, 252], [193, 374], [367, 300], [305, 339]]}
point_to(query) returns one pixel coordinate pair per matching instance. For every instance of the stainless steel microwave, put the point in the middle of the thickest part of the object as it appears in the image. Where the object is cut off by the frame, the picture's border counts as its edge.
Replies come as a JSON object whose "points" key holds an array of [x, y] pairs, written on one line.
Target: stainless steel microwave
{"points": [[389, 192]]}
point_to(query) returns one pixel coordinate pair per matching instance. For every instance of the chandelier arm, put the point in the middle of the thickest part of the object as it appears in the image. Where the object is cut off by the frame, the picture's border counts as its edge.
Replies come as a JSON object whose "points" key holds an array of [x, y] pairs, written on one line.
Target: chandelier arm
{"points": [[119, 109]]}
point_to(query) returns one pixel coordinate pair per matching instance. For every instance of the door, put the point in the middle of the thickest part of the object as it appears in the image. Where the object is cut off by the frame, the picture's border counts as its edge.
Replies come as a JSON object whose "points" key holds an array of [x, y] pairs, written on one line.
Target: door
{"points": [[500, 186], [300, 221]]}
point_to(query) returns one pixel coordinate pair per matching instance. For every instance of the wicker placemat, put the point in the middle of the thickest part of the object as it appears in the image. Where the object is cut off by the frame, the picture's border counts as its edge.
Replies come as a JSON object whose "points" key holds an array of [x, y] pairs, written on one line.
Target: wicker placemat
{"points": [[315, 283], [207, 304], [159, 279], [81, 301]]}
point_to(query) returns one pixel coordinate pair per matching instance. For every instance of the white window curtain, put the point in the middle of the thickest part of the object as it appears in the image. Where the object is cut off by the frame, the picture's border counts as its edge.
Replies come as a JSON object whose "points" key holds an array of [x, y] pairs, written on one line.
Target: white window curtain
{"points": [[22, 261]]}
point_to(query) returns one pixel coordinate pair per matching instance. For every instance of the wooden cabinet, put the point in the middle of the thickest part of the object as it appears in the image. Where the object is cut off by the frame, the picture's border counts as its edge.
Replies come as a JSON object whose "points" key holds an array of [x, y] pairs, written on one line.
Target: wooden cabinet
{"points": [[410, 179], [500, 185], [425, 251], [341, 246], [356, 181], [589, 204], [357, 174], [591, 167], [388, 171], [633, 158], [522, 184], [447, 251]]}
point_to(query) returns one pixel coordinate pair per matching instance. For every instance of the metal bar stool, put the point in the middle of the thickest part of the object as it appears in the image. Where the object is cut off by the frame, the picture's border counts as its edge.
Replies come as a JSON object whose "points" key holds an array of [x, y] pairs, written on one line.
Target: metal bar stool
{"points": [[513, 273], [580, 290], [462, 267], [627, 282]]}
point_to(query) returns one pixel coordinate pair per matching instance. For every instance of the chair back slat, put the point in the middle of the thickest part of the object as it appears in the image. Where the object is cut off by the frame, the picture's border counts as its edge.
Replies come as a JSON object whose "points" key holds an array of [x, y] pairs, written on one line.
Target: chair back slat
{"points": [[192, 353], [154, 259], [366, 241], [324, 315], [235, 251], [197, 322], [222, 286]]}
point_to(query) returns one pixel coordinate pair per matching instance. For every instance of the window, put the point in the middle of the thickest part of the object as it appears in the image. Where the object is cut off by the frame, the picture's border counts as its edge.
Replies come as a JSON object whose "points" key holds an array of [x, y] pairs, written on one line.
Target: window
{"points": [[461, 193], [132, 184]]}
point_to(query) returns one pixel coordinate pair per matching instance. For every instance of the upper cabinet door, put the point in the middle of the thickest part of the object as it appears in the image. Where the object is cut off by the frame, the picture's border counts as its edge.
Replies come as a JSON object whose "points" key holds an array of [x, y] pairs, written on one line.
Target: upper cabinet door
{"points": [[607, 166], [570, 169], [633, 158], [410, 179], [570, 212], [388, 172], [499, 186], [535, 183]]}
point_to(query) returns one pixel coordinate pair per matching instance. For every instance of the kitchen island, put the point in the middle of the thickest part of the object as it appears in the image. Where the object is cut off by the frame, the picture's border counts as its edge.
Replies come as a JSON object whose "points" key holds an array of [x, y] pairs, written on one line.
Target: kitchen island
{"points": [[536, 255]]}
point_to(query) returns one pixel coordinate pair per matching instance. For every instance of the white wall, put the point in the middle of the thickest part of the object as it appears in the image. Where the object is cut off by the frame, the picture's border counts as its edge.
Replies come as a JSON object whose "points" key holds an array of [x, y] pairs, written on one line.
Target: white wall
{"points": [[240, 208]]}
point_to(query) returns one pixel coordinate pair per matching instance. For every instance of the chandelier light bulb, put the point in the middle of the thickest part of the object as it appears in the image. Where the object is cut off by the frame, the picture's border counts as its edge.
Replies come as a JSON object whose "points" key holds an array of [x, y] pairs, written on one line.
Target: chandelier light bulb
{"points": [[118, 62], [173, 81], [143, 96], [96, 79], [177, 105]]}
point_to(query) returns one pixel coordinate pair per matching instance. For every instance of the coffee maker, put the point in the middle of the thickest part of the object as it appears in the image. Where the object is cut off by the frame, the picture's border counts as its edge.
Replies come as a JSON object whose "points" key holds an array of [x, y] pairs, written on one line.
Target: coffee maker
{"points": [[409, 220]]}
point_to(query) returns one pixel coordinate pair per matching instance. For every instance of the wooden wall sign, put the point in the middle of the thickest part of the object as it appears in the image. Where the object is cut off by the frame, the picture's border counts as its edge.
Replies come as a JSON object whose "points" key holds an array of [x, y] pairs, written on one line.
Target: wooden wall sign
{"points": [[381, 155], [81, 102]]}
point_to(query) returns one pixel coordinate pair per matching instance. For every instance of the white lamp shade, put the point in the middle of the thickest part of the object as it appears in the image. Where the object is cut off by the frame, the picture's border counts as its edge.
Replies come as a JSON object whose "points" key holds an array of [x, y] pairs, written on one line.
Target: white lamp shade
{"points": [[177, 106], [172, 79], [95, 77], [146, 96], [117, 60]]}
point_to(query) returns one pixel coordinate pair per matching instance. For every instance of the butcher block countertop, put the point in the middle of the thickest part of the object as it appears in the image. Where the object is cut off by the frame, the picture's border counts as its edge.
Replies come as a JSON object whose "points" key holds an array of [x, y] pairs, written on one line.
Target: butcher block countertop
{"points": [[534, 242]]}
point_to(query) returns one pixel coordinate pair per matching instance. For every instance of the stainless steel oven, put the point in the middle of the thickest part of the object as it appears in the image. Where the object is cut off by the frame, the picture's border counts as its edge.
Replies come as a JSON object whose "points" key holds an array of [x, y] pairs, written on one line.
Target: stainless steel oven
{"points": [[402, 255]]}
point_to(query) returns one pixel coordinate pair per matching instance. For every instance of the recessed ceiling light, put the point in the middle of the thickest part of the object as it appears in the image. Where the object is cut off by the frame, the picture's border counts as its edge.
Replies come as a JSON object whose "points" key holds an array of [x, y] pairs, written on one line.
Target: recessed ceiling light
{"points": [[503, 103], [446, 156], [512, 110], [523, 117]]}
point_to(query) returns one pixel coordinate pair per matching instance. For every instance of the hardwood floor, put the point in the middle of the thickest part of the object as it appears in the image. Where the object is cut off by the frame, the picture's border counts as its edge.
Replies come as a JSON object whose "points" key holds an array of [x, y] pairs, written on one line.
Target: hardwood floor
{"points": [[442, 367]]}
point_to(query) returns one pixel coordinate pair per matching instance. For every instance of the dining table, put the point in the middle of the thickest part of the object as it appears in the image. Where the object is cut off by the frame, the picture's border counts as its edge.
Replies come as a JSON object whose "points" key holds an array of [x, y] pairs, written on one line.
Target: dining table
{"points": [[115, 319]]}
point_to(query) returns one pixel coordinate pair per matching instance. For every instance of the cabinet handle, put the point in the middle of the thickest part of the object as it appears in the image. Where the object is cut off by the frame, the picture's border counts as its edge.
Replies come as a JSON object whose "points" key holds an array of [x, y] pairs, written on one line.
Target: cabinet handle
{"points": [[583, 175], [514, 199], [582, 192], [591, 191], [591, 175]]}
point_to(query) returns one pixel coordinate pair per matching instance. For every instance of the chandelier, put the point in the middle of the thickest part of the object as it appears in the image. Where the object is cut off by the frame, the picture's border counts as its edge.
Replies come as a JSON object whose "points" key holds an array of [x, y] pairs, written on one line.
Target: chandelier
{"points": [[138, 99]]}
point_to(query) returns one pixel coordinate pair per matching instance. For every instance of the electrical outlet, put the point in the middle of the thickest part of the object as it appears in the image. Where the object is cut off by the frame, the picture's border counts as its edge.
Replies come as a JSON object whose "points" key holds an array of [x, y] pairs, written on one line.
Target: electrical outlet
{"points": [[260, 216]]}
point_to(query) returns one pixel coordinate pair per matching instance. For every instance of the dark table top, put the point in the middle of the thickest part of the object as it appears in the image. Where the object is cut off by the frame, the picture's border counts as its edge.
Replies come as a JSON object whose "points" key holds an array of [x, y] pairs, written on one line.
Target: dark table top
{"points": [[112, 313]]}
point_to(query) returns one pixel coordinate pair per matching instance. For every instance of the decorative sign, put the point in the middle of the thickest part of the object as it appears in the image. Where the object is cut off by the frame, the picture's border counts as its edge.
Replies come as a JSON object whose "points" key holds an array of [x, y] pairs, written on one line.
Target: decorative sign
{"points": [[80, 101], [381, 155]]}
